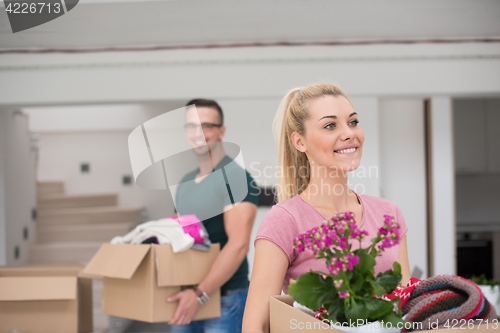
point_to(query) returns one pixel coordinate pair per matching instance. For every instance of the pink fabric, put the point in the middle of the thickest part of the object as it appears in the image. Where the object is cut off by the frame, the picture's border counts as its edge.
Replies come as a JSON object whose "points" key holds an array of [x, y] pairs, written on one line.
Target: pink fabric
{"points": [[289, 218], [191, 226]]}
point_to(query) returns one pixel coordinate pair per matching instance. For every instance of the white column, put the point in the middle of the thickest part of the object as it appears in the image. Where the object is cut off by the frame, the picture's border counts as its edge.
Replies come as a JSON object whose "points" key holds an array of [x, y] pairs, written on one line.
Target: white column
{"points": [[17, 188], [3, 240], [403, 170], [443, 186]]}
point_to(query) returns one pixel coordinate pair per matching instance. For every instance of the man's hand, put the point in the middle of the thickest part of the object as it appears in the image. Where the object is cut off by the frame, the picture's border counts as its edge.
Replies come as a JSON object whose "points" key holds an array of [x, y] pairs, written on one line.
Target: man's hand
{"points": [[188, 305]]}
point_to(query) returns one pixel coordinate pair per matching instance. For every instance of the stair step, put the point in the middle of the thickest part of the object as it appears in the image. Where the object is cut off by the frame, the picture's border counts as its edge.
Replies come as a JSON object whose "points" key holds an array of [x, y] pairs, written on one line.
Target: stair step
{"points": [[63, 251], [45, 188], [82, 232], [57, 201], [93, 215]]}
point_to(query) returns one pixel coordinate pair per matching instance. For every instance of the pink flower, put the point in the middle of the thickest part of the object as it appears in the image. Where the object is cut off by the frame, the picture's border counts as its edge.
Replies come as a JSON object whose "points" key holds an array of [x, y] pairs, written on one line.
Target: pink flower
{"points": [[353, 260], [383, 231], [389, 232], [359, 234], [387, 242], [338, 283], [332, 268], [335, 232], [343, 243], [344, 294], [300, 247]]}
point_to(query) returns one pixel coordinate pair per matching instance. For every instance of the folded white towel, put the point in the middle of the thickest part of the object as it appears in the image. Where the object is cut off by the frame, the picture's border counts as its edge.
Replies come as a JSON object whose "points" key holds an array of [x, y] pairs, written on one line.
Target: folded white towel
{"points": [[167, 231]]}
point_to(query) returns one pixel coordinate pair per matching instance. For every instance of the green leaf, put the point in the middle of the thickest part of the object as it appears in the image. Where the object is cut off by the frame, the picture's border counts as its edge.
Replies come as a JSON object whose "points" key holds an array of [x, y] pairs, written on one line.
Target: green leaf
{"points": [[397, 268], [330, 292], [388, 281], [328, 296], [335, 309], [377, 308], [308, 290], [378, 290], [356, 310], [393, 318], [328, 282], [397, 304], [357, 282], [366, 263]]}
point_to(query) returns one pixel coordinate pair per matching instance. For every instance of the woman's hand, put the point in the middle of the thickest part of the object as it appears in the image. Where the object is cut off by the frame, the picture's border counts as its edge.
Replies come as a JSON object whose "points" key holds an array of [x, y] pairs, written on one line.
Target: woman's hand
{"points": [[404, 262]]}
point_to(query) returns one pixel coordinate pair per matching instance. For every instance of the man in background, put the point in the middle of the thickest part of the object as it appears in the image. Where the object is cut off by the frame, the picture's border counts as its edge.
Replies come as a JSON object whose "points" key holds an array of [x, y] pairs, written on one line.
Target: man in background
{"points": [[231, 228]]}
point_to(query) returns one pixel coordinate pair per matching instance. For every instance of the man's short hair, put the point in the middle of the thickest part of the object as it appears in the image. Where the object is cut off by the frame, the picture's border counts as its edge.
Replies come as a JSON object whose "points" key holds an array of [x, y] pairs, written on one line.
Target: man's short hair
{"points": [[208, 103]]}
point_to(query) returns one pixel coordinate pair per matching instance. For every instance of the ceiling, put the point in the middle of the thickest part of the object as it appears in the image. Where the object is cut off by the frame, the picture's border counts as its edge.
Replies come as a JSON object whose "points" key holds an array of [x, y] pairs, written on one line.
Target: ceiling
{"points": [[126, 23]]}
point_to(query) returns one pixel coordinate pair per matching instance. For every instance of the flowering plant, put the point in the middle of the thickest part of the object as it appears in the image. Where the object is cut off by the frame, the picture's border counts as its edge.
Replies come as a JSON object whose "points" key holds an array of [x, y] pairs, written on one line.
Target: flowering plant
{"points": [[351, 291]]}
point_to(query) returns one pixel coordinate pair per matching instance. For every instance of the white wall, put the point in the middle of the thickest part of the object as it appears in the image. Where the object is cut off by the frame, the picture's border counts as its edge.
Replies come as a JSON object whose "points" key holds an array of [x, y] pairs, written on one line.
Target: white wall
{"points": [[477, 160], [443, 186], [97, 135], [3, 224], [18, 187], [403, 170], [248, 124], [477, 199], [95, 117], [107, 154]]}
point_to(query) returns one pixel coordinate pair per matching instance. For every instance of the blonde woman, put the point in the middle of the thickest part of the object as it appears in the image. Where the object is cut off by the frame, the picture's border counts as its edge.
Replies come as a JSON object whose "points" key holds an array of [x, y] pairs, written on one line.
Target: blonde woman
{"points": [[319, 141]]}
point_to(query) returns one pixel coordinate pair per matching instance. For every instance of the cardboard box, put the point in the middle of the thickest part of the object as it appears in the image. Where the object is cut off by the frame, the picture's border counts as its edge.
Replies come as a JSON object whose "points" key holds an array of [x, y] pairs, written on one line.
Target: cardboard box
{"points": [[137, 279], [45, 298], [284, 318]]}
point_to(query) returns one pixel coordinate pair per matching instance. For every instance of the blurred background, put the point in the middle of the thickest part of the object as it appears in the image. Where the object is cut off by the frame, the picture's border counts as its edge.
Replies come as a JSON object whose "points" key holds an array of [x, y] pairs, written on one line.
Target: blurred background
{"points": [[423, 76]]}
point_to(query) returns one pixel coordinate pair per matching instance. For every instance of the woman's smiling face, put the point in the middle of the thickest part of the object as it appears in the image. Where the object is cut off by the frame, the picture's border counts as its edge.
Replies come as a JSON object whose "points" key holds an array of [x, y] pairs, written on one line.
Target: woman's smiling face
{"points": [[332, 137]]}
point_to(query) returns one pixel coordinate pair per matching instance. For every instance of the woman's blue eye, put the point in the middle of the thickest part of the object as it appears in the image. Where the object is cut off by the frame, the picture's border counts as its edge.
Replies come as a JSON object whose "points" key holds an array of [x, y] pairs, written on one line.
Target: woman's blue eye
{"points": [[332, 125]]}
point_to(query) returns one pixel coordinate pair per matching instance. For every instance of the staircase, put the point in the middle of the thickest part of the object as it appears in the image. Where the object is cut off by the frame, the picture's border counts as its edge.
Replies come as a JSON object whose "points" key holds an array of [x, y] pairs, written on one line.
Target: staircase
{"points": [[72, 227]]}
